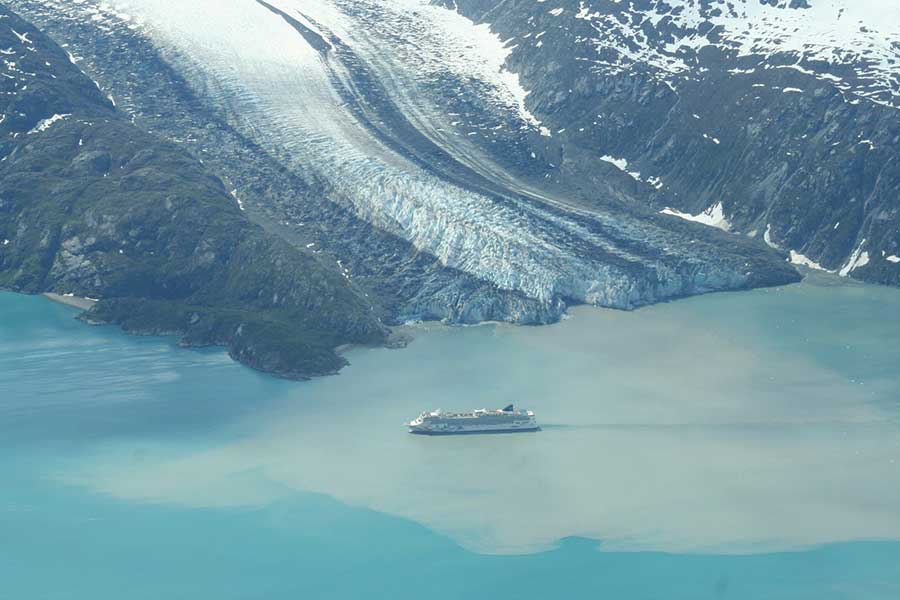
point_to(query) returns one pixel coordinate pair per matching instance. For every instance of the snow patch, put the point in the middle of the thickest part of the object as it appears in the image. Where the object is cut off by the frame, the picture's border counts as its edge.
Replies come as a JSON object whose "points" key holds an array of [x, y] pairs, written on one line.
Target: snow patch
{"points": [[859, 258], [23, 37], [622, 165], [767, 237], [714, 216], [619, 163], [238, 200], [46, 124], [799, 259]]}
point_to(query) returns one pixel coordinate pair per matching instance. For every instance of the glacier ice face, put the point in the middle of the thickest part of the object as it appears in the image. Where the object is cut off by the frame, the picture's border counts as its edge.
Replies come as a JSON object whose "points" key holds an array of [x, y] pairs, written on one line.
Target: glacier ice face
{"points": [[404, 113]]}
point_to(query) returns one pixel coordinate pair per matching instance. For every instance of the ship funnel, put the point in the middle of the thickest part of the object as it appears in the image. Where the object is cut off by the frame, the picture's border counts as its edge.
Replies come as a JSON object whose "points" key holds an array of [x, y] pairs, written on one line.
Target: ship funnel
{"points": [[508, 408]]}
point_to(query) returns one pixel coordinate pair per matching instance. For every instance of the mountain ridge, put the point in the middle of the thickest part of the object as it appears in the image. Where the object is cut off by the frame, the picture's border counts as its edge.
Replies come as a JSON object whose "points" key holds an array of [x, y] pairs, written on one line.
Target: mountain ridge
{"points": [[730, 105]]}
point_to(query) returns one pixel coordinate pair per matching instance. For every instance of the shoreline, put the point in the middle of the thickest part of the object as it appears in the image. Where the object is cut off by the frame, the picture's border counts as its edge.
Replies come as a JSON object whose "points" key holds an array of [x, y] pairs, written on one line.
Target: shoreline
{"points": [[73, 301]]}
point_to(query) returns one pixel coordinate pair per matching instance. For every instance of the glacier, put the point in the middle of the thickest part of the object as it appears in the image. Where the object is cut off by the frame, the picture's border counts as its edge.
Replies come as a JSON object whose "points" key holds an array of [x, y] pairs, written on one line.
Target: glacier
{"points": [[404, 113]]}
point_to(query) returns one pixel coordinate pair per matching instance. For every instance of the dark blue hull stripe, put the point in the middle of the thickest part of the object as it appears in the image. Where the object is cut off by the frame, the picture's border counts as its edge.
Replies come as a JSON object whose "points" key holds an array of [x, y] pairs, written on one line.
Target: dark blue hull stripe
{"points": [[532, 430]]}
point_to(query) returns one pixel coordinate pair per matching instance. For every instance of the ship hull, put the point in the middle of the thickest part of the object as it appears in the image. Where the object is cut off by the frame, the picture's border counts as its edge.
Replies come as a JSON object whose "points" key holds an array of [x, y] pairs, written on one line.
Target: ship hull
{"points": [[476, 431]]}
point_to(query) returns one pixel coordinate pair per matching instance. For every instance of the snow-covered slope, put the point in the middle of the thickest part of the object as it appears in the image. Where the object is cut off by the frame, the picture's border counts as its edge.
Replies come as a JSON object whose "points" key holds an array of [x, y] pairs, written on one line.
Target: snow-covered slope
{"points": [[851, 43]]}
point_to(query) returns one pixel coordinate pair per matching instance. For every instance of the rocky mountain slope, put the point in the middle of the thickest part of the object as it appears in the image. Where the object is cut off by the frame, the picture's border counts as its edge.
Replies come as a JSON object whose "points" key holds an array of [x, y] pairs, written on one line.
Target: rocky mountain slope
{"points": [[92, 205], [774, 119]]}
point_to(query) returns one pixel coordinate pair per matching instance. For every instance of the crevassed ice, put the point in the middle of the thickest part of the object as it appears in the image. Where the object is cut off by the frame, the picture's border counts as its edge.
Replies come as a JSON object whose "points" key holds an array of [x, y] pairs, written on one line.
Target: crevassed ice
{"points": [[280, 91]]}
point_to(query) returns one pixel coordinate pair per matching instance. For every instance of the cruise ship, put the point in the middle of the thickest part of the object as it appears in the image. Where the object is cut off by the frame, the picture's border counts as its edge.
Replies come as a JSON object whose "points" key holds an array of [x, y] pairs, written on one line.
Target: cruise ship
{"points": [[507, 420]]}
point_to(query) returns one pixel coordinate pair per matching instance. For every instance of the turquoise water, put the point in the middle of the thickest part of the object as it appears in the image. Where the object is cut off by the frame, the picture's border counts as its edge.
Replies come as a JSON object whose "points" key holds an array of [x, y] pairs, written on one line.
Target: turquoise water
{"points": [[731, 446]]}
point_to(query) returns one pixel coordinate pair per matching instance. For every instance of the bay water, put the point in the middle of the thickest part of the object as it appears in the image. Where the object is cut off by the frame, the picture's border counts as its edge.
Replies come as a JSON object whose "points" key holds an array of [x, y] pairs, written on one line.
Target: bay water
{"points": [[739, 445]]}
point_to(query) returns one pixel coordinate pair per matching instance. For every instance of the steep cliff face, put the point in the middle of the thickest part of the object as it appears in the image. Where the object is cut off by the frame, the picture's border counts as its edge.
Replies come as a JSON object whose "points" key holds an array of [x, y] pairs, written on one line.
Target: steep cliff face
{"points": [[386, 135], [781, 117], [92, 205]]}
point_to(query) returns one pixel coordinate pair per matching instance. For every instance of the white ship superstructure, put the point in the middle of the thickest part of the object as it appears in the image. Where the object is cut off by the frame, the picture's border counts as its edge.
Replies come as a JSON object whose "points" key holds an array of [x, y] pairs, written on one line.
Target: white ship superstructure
{"points": [[507, 420]]}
